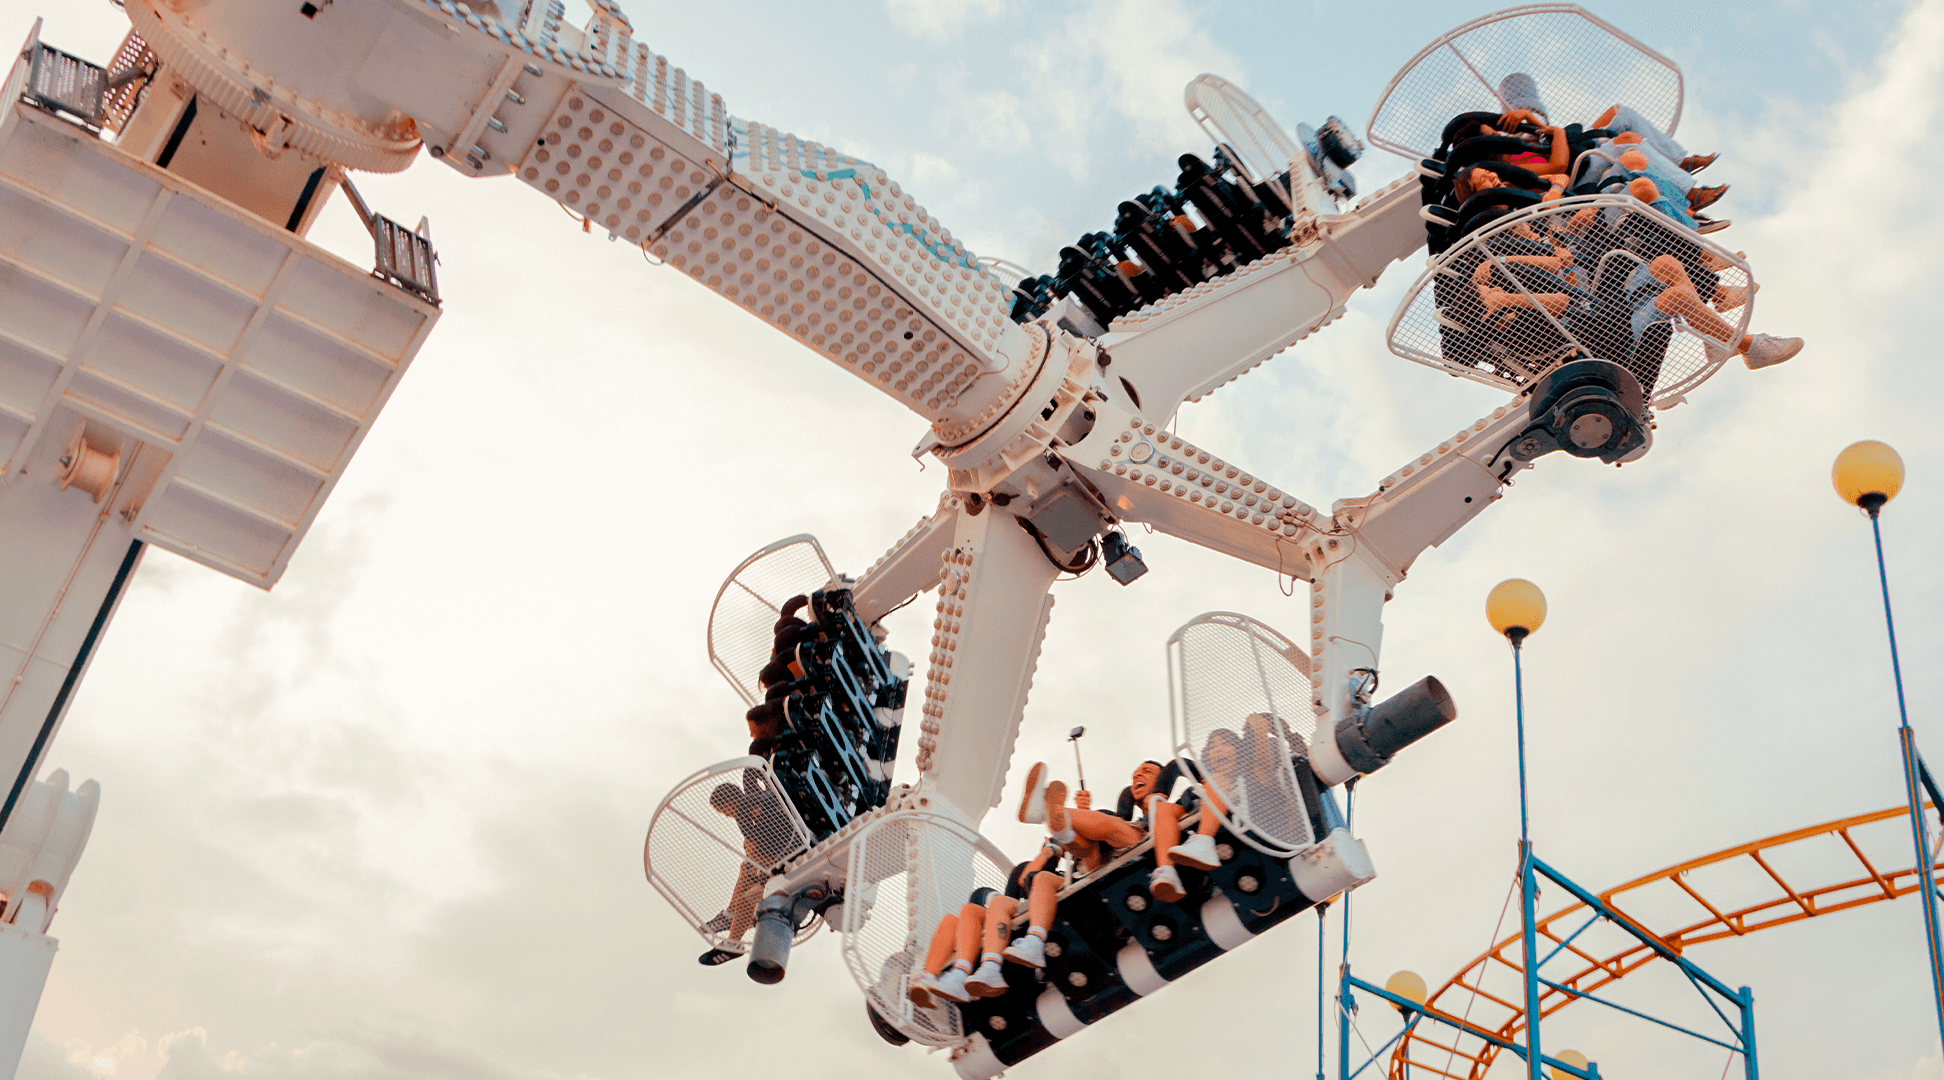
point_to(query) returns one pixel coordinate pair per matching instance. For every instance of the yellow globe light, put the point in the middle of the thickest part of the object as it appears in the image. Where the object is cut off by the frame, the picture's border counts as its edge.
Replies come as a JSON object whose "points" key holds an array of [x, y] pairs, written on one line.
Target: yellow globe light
{"points": [[1515, 607], [1408, 985], [1868, 474], [1571, 1057]]}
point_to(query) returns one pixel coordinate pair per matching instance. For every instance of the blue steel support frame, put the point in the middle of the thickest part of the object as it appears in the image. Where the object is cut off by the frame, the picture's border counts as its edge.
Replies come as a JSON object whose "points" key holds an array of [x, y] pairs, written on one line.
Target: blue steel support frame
{"points": [[1743, 1000], [1916, 777], [1528, 888], [1531, 868]]}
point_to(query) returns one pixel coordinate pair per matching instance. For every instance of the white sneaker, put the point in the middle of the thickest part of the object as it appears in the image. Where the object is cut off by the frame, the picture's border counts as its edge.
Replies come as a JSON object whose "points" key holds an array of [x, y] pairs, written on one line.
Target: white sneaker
{"points": [[1165, 885], [1765, 351], [986, 982], [1029, 950], [920, 991], [1197, 851], [1032, 804], [1059, 824], [950, 985]]}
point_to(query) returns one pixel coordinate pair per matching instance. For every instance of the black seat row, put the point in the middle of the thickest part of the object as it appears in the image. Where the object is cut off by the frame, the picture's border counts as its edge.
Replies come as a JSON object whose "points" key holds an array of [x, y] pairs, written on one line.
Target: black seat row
{"points": [[828, 721], [1156, 248]]}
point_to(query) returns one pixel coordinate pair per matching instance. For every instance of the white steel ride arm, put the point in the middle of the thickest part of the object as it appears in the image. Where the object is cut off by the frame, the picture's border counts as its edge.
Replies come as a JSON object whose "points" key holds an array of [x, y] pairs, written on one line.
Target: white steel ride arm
{"points": [[823, 246], [1373, 544], [910, 567], [1352, 559], [1192, 342], [991, 617]]}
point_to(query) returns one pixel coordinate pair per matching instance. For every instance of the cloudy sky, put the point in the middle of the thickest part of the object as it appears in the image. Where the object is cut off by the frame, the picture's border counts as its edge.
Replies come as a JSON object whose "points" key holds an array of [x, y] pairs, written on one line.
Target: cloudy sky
{"points": [[386, 821]]}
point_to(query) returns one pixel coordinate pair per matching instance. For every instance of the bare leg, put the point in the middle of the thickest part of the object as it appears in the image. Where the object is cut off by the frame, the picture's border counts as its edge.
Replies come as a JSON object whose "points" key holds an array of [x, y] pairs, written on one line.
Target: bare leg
{"points": [[971, 924], [937, 955], [1042, 900], [1497, 300], [942, 942], [1103, 828], [1212, 809], [998, 923], [1167, 830], [1680, 298], [743, 899]]}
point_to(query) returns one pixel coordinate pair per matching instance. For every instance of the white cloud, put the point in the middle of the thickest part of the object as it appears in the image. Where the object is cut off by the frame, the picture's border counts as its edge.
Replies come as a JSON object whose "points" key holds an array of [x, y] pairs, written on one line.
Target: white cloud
{"points": [[1125, 58], [940, 20], [384, 821]]}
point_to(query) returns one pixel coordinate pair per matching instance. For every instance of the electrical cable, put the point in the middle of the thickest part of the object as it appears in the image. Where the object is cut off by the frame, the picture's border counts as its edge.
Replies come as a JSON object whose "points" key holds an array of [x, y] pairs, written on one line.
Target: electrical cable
{"points": [[900, 607], [1090, 554], [1473, 1000]]}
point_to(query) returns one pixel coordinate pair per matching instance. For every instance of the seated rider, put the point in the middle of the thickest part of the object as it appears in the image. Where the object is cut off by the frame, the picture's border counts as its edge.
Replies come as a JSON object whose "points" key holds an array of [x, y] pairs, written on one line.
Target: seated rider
{"points": [[1658, 289], [985, 919], [1612, 133], [1152, 794], [1093, 836], [768, 838]]}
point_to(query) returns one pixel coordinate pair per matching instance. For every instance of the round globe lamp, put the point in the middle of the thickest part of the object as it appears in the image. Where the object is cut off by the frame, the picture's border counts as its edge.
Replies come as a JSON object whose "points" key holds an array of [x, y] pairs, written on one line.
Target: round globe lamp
{"points": [[1868, 474], [1408, 985], [1570, 1057], [1515, 607]]}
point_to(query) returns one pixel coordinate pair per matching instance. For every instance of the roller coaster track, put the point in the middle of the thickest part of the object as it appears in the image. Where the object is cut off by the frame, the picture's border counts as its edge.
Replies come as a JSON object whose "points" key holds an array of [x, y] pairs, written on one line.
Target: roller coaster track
{"points": [[1457, 1053]]}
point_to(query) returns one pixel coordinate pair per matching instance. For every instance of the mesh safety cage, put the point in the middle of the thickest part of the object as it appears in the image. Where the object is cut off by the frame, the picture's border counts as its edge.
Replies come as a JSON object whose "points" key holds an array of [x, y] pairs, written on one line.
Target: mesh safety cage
{"points": [[1240, 707], [715, 841], [742, 622], [905, 872], [1580, 65], [1603, 276]]}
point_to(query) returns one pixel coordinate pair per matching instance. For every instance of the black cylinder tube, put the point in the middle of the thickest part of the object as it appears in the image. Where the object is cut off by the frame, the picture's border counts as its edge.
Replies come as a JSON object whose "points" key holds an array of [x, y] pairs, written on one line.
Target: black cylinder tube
{"points": [[1369, 740], [769, 953]]}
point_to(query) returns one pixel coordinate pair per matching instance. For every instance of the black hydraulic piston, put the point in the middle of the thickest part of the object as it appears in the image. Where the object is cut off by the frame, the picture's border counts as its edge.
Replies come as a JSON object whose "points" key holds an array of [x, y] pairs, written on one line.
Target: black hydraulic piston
{"points": [[1369, 739]]}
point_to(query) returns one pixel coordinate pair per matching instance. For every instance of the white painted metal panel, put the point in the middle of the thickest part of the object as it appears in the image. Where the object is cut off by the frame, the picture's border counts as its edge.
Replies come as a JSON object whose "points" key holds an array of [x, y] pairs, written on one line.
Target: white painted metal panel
{"points": [[256, 361]]}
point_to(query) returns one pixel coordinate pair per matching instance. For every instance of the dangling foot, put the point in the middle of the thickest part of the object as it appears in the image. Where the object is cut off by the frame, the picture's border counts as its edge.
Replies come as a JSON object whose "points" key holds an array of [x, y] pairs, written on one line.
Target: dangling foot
{"points": [[718, 924], [950, 985], [1700, 198], [1058, 827], [1765, 351], [1197, 851], [1694, 163], [1029, 950], [716, 956], [1705, 225], [1032, 803], [920, 991], [988, 981], [1165, 885]]}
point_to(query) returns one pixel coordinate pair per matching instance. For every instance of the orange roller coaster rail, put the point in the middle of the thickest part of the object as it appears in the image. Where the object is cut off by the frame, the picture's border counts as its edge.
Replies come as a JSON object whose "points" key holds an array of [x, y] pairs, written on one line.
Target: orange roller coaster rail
{"points": [[1589, 972]]}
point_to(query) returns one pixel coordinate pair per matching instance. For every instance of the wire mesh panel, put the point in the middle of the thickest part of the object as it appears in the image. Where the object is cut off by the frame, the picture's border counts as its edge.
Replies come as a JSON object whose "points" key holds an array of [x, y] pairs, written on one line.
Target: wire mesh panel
{"points": [[905, 872], [1241, 713], [1580, 65], [1604, 276], [132, 57], [742, 623], [1232, 118], [715, 841]]}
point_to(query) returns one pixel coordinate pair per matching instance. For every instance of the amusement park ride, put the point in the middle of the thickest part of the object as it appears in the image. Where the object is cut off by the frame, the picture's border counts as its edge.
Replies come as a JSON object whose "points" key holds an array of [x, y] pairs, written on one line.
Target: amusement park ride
{"points": [[180, 367]]}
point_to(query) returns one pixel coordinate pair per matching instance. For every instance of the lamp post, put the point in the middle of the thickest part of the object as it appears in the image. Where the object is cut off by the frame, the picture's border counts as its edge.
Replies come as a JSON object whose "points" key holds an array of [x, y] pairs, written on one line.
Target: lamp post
{"points": [[1869, 474], [1515, 607]]}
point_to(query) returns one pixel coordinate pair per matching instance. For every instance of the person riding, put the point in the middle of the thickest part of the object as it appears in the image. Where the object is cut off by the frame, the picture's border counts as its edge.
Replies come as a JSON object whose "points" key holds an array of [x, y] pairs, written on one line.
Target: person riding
{"points": [[985, 919]]}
